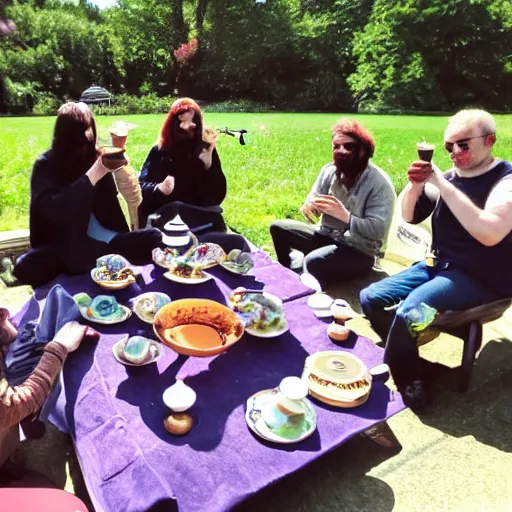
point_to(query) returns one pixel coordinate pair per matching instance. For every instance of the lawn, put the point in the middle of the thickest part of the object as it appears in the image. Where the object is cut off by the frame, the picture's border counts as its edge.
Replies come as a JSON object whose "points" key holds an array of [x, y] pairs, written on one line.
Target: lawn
{"points": [[267, 179]]}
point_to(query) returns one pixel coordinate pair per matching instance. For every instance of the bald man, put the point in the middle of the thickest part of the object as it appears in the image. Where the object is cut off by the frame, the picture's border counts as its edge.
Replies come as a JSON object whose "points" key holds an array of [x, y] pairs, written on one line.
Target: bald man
{"points": [[471, 207]]}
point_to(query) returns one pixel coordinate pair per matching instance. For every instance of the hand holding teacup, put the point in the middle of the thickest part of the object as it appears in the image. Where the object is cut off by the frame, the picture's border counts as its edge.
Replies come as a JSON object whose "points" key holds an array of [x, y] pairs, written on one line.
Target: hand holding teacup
{"points": [[113, 158]]}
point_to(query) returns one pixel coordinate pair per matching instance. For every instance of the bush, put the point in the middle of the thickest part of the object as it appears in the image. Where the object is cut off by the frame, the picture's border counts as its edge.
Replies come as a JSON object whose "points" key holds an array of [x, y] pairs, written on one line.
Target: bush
{"points": [[46, 104], [239, 106], [124, 104]]}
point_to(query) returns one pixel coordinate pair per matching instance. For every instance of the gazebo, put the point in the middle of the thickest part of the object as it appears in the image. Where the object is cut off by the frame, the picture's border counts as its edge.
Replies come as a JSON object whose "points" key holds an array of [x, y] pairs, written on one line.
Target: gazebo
{"points": [[96, 94]]}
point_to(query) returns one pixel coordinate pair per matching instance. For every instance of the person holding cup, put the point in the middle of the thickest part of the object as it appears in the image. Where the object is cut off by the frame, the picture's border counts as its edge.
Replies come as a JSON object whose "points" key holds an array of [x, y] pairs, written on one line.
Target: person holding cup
{"points": [[354, 200], [75, 215], [471, 208]]}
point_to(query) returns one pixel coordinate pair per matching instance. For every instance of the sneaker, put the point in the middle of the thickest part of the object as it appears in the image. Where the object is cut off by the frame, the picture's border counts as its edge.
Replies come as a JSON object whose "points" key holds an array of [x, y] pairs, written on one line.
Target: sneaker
{"points": [[416, 395], [296, 260]]}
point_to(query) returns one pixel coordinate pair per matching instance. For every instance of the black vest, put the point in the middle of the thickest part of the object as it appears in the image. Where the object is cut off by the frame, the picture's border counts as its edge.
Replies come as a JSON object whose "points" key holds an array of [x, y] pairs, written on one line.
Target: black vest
{"points": [[455, 245]]}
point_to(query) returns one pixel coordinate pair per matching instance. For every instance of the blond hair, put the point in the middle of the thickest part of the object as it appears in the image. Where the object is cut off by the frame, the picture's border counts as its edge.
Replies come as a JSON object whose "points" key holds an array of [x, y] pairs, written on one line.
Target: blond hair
{"points": [[474, 117]]}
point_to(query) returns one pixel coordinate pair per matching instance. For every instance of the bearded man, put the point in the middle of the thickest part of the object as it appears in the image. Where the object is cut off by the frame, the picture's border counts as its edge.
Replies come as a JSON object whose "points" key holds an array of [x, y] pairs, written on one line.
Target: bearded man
{"points": [[354, 200]]}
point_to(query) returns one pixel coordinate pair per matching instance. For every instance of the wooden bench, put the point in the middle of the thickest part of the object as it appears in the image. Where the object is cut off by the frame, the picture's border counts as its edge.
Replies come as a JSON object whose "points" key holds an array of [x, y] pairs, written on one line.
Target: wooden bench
{"points": [[14, 243]]}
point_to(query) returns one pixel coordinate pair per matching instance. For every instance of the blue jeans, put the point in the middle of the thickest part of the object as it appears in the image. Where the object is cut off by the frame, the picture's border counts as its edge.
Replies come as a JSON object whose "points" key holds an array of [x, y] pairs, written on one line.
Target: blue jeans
{"points": [[442, 287]]}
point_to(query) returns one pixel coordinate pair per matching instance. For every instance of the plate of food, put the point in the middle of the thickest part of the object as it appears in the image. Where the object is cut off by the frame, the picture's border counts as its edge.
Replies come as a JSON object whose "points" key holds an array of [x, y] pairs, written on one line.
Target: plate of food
{"points": [[186, 273], [238, 262], [294, 429], [113, 272], [202, 256], [136, 351], [147, 305], [205, 255], [261, 312], [103, 309]]}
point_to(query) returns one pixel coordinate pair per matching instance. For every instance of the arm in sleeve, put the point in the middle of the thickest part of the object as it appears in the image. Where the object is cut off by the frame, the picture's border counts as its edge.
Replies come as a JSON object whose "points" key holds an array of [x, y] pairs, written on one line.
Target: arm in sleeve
{"points": [[424, 207], [378, 213], [322, 183], [59, 204], [150, 176], [21, 401], [213, 187]]}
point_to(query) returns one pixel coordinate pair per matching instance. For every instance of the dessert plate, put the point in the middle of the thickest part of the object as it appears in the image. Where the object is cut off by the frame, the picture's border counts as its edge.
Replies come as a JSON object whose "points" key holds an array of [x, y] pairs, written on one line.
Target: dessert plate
{"points": [[187, 280], [258, 333], [117, 350], [304, 427], [127, 313]]}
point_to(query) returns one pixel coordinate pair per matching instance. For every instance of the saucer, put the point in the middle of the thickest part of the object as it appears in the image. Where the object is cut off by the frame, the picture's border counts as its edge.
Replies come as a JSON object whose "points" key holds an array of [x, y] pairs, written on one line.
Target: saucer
{"points": [[320, 300], [187, 280], [258, 333], [254, 419], [116, 350], [127, 313]]}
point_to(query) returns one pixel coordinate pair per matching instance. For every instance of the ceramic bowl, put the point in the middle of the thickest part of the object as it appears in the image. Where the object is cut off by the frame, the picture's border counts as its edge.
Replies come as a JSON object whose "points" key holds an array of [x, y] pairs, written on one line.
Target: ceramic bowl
{"points": [[111, 285], [198, 327]]}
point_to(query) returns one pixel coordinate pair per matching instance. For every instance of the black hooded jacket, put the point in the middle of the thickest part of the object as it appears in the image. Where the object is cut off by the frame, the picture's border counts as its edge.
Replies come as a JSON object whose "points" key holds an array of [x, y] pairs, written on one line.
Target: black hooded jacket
{"points": [[62, 200]]}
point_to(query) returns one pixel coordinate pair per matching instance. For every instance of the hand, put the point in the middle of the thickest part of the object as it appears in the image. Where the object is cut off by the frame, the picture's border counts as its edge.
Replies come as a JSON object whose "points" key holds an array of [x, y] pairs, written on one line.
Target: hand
{"points": [[167, 186], [113, 164], [70, 335], [419, 172], [309, 211], [329, 205], [206, 153]]}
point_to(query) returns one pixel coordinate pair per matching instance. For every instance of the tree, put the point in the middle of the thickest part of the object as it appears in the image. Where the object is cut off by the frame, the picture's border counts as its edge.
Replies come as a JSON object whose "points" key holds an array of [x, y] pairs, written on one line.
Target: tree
{"points": [[433, 55]]}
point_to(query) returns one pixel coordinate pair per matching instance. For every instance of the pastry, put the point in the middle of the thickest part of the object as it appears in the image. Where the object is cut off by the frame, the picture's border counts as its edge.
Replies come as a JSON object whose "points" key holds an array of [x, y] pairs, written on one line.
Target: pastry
{"points": [[178, 423], [338, 332]]}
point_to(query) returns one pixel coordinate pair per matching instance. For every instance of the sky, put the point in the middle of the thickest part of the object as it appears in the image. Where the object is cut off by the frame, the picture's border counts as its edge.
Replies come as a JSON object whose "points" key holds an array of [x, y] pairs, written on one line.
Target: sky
{"points": [[102, 4]]}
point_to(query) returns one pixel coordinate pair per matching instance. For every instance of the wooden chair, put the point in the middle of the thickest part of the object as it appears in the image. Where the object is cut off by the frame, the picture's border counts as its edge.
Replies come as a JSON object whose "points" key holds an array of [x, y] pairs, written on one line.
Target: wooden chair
{"points": [[468, 324]]}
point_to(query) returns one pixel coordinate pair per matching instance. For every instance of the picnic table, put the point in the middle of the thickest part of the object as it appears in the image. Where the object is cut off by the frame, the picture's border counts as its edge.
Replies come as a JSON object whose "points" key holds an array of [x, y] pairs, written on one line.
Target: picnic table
{"points": [[114, 413]]}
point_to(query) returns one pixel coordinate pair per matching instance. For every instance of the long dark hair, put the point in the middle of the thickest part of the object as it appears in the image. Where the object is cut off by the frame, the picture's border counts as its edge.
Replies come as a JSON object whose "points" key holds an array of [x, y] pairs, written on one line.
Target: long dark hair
{"points": [[171, 123], [74, 138]]}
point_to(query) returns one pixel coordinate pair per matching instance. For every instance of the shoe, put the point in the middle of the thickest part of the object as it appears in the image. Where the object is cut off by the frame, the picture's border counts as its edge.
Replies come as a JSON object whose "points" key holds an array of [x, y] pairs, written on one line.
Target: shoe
{"points": [[416, 395]]}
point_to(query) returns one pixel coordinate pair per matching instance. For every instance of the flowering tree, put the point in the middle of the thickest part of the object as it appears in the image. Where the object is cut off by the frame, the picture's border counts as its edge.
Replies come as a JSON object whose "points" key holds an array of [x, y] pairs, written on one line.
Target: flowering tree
{"points": [[182, 56]]}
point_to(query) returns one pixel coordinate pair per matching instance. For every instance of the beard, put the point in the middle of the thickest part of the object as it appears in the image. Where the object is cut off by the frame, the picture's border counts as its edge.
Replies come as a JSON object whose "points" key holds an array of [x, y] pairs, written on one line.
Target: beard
{"points": [[349, 167]]}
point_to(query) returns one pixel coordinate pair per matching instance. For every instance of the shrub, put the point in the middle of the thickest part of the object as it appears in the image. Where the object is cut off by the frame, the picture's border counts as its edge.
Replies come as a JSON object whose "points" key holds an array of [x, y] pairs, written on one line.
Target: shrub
{"points": [[239, 106], [46, 104], [124, 104]]}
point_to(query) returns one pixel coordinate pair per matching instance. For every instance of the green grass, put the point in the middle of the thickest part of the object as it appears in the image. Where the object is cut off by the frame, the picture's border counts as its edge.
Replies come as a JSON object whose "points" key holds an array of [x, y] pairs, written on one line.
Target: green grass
{"points": [[267, 179]]}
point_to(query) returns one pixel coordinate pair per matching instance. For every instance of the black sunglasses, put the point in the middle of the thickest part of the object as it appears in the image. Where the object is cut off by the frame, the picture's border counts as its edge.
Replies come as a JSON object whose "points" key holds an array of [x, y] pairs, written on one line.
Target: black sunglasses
{"points": [[463, 144], [349, 146]]}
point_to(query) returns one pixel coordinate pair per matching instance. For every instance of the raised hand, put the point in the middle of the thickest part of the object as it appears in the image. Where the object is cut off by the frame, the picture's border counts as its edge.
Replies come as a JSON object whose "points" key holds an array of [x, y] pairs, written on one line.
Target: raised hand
{"points": [[419, 172], [167, 186], [332, 206], [309, 212]]}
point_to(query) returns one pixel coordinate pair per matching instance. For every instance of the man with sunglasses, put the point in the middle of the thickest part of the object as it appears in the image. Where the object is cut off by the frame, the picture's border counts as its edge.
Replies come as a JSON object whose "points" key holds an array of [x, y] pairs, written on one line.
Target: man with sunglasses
{"points": [[355, 201], [471, 207]]}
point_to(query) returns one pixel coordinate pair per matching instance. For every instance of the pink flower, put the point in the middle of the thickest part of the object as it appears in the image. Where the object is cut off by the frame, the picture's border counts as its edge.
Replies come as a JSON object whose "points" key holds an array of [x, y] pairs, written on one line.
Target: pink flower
{"points": [[186, 51]]}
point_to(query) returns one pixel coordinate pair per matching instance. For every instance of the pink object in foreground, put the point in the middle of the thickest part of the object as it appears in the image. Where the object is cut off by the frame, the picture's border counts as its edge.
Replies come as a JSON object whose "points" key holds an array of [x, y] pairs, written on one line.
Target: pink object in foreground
{"points": [[6, 27], [42, 500]]}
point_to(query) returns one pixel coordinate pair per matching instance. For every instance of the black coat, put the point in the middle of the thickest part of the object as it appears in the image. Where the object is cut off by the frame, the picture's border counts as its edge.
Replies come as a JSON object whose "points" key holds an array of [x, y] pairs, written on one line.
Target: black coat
{"points": [[62, 200], [194, 184]]}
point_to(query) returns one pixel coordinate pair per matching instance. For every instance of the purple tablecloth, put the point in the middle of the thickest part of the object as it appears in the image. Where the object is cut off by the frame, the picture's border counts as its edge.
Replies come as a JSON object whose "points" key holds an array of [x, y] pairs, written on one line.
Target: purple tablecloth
{"points": [[115, 413]]}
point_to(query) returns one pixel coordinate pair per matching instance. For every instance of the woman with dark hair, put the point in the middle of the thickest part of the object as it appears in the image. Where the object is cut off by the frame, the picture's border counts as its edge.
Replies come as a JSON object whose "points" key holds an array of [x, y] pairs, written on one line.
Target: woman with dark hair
{"points": [[183, 171], [75, 215]]}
